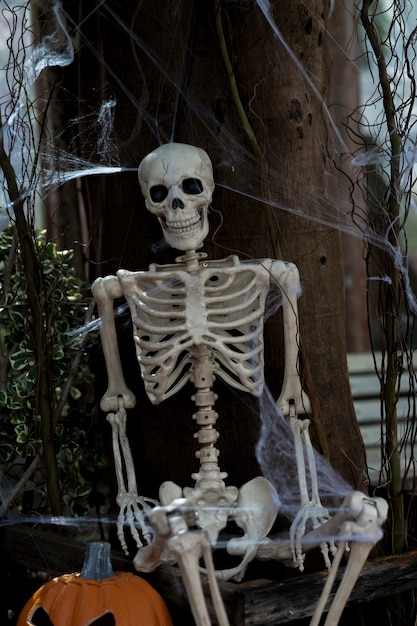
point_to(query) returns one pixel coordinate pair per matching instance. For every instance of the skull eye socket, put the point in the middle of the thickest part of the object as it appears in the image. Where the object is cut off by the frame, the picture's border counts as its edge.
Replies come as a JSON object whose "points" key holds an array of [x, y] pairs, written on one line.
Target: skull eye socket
{"points": [[158, 193], [192, 186]]}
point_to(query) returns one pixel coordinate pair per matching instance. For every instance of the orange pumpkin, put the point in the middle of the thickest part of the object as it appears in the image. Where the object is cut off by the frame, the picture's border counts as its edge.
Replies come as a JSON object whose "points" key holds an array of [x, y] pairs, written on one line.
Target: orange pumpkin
{"points": [[96, 596]]}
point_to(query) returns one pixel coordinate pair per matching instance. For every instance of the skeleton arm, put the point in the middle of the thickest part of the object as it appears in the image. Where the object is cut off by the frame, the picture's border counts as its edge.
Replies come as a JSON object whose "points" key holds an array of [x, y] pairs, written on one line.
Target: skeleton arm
{"points": [[115, 401], [292, 402], [292, 394], [105, 291]]}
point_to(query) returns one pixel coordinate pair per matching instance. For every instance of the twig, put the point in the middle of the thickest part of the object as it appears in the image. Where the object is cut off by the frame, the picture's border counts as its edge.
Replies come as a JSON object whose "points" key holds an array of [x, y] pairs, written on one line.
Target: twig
{"points": [[73, 371], [393, 295], [14, 491]]}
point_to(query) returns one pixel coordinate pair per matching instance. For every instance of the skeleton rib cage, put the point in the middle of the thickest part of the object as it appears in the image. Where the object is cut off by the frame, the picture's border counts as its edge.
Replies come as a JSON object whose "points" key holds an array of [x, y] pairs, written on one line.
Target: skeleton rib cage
{"points": [[174, 310]]}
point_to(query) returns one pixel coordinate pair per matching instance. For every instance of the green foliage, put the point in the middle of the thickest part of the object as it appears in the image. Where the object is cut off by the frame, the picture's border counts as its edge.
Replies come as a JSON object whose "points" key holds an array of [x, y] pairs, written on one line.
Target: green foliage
{"points": [[20, 421]]}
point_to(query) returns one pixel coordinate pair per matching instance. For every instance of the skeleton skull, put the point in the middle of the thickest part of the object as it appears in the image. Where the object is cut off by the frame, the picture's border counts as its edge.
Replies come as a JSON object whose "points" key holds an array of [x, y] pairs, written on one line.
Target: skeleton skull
{"points": [[177, 182]]}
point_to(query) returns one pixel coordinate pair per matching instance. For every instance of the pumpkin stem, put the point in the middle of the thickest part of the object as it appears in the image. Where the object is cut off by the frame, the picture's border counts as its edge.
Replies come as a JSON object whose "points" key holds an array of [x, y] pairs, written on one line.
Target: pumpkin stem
{"points": [[97, 564]]}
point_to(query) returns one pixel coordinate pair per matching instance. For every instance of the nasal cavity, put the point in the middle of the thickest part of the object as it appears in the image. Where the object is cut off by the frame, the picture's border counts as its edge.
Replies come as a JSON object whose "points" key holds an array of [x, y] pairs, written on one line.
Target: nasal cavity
{"points": [[177, 203]]}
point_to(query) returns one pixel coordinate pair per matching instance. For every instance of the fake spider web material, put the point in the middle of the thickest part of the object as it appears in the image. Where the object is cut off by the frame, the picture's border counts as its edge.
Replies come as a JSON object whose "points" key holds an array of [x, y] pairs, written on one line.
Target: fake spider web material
{"points": [[94, 133]]}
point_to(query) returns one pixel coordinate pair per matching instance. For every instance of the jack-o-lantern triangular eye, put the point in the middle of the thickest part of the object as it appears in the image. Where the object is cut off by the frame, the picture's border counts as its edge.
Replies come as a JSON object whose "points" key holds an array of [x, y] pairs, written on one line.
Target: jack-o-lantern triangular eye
{"points": [[40, 618]]}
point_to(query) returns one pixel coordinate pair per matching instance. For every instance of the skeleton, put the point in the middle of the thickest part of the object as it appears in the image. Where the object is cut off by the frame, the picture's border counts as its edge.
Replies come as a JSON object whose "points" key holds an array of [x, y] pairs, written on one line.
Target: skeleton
{"points": [[194, 320]]}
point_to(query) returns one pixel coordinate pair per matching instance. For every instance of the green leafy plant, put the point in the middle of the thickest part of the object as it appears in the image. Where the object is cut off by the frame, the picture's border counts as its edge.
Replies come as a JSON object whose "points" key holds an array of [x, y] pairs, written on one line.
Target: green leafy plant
{"points": [[44, 410], [21, 444]]}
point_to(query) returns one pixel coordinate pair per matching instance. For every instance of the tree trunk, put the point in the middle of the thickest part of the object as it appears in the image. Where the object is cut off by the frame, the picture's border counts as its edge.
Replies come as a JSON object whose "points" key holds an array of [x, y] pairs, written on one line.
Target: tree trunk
{"points": [[292, 128], [345, 100], [63, 212]]}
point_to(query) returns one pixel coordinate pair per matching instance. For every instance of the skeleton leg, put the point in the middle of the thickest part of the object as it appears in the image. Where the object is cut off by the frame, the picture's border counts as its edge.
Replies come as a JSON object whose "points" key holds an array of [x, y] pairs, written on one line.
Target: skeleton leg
{"points": [[188, 547], [328, 584], [367, 527], [172, 531], [131, 506], [359, 521], [349, 511]]}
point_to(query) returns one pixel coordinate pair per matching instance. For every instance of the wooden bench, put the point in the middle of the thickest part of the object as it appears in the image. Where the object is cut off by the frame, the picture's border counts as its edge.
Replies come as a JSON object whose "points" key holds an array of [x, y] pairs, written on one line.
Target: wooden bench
{"points": [[254, 603]]}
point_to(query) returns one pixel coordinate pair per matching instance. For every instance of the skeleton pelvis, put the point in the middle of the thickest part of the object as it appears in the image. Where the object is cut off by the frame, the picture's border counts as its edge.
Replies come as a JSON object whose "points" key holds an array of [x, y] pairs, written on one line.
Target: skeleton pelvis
{"points": [[253, 508]]}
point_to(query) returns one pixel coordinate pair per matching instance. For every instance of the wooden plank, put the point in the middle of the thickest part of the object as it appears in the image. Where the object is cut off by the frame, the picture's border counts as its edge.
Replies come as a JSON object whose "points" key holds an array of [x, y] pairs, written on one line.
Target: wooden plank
{"points": [[254, 603], [293, 599], [365, 388], [364, 381], [368, 387], [368, 410], [364, 362]]}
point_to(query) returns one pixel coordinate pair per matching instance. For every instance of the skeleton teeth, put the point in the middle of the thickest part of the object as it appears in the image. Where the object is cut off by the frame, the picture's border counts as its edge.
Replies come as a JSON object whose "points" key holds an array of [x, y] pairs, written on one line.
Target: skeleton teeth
{"points": [[183, 226]]}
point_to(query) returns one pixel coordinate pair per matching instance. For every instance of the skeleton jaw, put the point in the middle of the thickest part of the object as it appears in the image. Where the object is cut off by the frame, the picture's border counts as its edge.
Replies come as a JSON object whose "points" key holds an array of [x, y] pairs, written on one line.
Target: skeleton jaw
{"points": [[186, 234]]}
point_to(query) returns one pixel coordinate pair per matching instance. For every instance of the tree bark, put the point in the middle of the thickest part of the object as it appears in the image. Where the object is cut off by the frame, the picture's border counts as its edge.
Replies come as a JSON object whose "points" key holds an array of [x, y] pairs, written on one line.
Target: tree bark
{"points": [[292, 126], [344, 103]]}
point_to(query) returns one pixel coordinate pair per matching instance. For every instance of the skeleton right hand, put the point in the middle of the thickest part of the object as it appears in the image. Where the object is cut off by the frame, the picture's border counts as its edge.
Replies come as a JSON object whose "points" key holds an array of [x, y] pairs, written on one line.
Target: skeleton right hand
{"points": [[132, 512]]}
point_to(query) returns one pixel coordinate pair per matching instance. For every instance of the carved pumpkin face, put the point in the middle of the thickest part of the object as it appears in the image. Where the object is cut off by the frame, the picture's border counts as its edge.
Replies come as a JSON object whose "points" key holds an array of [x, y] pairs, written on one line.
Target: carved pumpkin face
{"points": [[122, 599]]}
